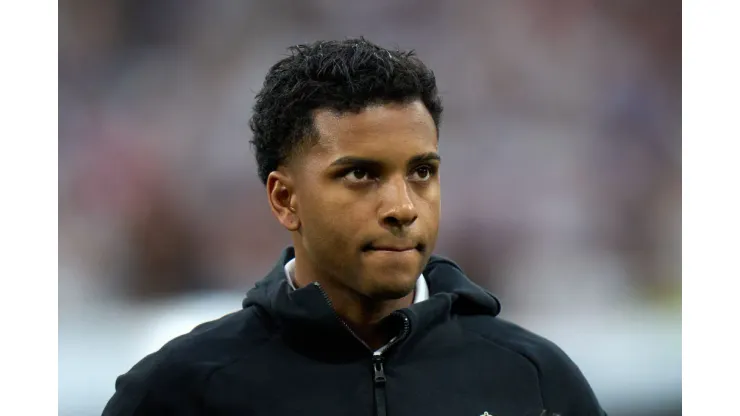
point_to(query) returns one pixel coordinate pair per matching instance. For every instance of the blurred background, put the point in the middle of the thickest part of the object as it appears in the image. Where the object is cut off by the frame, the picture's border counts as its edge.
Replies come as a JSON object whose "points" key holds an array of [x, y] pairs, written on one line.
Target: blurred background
{"points": [[561, 179]]}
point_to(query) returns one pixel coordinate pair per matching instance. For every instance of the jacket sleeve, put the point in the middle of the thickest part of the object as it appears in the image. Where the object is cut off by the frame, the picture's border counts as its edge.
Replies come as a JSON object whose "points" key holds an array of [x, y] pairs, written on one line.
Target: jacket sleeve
{"points": [[155, 386], [565, 390]]}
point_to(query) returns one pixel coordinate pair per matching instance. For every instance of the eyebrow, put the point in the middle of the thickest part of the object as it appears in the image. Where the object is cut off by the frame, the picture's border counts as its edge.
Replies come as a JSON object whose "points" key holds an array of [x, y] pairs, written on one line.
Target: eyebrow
{"points": [[361, 161]]}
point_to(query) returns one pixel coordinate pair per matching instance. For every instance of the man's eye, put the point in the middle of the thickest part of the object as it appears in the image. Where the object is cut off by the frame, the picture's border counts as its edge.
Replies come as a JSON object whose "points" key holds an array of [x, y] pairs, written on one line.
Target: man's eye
{"points": [[423, 173], [357, 175]]}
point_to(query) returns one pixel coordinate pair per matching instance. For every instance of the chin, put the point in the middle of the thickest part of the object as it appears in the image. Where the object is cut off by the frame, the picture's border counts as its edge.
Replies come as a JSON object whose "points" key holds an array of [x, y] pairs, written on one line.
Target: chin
{"points": [[390, 287], [390, 294], [389, 276]]}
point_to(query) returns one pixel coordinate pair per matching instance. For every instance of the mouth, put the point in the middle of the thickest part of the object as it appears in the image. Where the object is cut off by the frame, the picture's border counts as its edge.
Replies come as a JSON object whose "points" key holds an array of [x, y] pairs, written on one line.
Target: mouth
{"points": [[393, 247]]}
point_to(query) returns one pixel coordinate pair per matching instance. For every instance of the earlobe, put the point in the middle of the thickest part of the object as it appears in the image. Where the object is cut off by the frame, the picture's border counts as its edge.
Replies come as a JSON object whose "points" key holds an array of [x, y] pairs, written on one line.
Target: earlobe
{"points": [[282, 200], [292, 221]]}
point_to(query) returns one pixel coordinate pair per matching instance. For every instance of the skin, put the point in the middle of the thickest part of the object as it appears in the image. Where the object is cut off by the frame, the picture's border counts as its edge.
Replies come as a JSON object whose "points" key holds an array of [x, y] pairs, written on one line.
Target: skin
{"points": [[363, 207]]}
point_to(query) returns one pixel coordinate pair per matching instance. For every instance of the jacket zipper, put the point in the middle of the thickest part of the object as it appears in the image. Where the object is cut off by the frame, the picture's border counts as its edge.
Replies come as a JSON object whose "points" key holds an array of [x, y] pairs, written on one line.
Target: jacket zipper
{"points": [[379, 379]]}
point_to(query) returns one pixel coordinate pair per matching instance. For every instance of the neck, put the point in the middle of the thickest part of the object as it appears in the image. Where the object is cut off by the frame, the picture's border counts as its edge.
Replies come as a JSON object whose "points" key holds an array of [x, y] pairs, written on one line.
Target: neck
{"points": [[362, 314]]}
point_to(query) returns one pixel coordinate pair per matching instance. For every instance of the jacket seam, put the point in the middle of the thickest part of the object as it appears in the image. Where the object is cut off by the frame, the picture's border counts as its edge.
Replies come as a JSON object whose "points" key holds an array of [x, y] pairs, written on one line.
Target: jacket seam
{"points": [[529, 360], [147, 392], [213, 371], [207, 379]]}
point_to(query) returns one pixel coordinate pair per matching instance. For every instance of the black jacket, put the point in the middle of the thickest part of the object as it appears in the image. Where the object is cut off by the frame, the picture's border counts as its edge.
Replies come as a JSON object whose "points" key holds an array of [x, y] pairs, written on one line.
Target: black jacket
{"points": [[287, 353]]}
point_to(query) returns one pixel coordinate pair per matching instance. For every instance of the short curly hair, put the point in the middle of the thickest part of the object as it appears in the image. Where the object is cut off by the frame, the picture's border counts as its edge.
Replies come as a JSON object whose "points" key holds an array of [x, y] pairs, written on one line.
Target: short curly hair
{"points": [[344, 76]]}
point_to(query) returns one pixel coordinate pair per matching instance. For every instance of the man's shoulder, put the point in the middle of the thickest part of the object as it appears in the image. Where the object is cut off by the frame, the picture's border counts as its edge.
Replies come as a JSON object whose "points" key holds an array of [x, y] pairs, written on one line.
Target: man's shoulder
{"points": [[512, 336], [561, 381], [182, 367], [215, 342]]}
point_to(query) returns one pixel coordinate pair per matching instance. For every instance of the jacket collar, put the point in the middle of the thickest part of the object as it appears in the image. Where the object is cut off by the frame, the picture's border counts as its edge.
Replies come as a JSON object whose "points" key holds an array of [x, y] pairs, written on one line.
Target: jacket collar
{"points": [[421, 292], [306, 317]]}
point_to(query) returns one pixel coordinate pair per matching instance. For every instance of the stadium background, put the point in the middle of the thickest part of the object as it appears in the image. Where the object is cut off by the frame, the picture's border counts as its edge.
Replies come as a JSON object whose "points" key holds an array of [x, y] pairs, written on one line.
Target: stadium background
{"points": [[561, 179]]}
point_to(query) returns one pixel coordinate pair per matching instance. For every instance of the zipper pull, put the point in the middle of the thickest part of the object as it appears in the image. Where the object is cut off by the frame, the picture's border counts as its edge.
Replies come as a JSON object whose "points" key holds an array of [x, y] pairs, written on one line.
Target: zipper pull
{"points": [[378, 371]]}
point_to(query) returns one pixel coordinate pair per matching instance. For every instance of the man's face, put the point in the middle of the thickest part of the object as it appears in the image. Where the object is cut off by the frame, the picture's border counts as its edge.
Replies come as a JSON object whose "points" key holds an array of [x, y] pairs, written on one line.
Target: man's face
{"points": [[368, 198]]}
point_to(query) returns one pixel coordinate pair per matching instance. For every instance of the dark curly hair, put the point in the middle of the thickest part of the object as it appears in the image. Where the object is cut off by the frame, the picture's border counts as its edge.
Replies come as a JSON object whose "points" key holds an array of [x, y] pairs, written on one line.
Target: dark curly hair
{"points": [[344, 76]]}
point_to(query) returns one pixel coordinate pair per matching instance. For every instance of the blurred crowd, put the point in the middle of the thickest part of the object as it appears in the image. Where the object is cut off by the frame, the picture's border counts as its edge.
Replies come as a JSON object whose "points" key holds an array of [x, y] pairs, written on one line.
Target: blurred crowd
{"points": [[561, 143]]}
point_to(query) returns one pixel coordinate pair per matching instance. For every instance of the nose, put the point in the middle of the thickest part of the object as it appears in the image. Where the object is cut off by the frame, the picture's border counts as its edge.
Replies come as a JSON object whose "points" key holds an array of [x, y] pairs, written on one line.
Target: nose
{"points": [[398, 209]]}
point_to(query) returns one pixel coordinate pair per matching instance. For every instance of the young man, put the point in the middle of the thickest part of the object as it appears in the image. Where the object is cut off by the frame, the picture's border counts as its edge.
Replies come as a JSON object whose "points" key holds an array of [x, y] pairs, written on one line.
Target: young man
{"points": [[358, 317]]}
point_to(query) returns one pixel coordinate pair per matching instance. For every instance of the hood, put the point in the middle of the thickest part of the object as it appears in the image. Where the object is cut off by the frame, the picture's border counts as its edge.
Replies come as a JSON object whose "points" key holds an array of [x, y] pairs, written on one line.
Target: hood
{"points": [[306, 314]]}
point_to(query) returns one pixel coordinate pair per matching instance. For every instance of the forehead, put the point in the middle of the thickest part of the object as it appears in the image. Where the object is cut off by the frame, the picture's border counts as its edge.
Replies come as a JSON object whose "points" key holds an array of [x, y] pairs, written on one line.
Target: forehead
{"points": [[380, 131]]}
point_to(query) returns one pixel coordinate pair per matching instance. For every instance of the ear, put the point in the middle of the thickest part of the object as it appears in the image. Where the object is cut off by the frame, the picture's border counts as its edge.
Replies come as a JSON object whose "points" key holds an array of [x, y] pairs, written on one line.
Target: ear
{"points": [[283, 201]]}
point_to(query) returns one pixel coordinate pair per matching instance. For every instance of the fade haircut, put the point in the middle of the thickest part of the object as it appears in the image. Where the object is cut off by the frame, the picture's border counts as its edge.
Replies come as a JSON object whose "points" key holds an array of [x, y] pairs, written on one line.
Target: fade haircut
{"points": [[342, 76]]}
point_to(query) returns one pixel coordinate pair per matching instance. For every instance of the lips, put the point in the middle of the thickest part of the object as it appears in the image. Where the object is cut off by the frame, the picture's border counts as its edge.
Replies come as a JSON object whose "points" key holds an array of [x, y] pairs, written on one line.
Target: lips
{"points": [[389, 248], [393, 247]]}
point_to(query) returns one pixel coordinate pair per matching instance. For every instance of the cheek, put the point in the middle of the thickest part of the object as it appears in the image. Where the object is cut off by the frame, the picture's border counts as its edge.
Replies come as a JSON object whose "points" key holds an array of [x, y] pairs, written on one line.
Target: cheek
{"points": [[431, 204], [331, 222]]}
